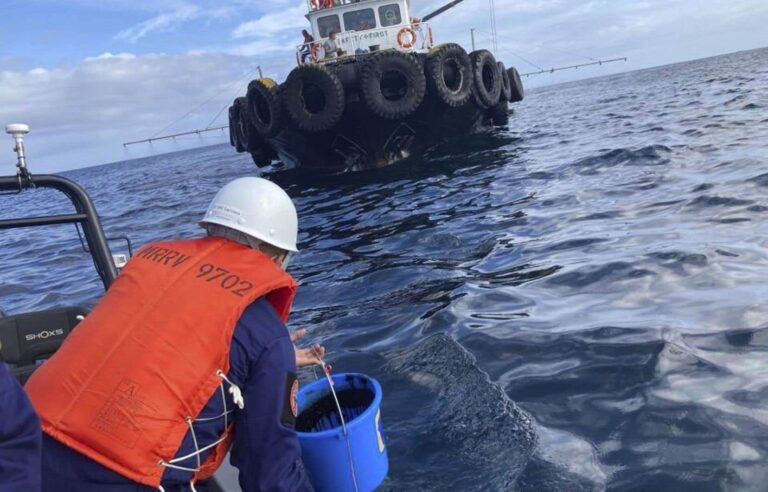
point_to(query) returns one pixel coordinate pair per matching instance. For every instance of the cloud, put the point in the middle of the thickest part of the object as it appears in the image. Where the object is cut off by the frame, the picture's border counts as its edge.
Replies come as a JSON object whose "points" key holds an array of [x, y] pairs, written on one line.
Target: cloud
{"points": [[272, 23], [92, 108], [162, 22], [171, 15], [80, 114]]}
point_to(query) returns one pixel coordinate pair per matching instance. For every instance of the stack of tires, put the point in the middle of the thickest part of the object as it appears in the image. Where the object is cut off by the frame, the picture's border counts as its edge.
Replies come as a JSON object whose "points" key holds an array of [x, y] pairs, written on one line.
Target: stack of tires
{"points": [[250, 121], [392, 85]]}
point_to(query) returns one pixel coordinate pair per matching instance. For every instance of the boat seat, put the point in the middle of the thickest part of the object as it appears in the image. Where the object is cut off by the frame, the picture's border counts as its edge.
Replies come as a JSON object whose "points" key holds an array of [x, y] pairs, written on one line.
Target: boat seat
{"points": [[26, 340]]}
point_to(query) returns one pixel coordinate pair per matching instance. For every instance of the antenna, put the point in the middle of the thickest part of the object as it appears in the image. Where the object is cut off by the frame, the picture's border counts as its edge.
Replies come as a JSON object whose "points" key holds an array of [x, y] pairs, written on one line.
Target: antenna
{"points": [[17, 131]]}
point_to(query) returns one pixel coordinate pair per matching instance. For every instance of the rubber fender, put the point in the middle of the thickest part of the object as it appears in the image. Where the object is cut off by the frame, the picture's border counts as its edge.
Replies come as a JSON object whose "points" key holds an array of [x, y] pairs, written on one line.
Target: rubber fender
{"points": [[347, 74], [247, 136], [516, 84], [500, 114], [506, 86], [232, 126], [314, 98], [236, 134], [264, 107], [393, 84], [263, 156], [449, 74], [487, 79]]}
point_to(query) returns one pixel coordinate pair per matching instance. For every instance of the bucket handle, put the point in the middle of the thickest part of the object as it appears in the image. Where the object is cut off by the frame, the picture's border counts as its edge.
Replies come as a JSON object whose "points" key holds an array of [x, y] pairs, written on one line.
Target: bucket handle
{"points": [[327, 371]]}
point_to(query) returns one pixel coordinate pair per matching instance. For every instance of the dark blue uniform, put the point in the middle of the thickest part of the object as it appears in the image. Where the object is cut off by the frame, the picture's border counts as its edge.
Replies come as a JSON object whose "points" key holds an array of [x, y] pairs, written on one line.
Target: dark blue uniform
{"points": [[19, 438], [265, 449]]}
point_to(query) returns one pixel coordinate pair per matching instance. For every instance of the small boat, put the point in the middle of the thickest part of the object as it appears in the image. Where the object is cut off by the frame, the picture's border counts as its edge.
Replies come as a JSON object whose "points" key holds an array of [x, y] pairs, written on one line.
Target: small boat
{"points": [[27, 340], [370, 89]]}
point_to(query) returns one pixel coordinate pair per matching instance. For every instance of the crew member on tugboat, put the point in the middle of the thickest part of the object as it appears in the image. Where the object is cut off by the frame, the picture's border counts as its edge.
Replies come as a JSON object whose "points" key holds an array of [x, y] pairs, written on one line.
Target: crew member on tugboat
{"points": [[186, 357]]}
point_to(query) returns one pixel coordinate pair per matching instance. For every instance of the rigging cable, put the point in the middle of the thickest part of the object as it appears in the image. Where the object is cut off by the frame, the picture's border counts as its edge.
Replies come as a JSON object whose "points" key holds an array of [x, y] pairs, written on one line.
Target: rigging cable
{"points": [[227, 87]]}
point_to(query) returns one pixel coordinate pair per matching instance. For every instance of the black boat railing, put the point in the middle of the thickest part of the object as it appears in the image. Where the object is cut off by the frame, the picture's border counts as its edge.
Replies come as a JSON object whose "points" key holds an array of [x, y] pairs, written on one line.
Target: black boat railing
{"points": [[85, 216]]}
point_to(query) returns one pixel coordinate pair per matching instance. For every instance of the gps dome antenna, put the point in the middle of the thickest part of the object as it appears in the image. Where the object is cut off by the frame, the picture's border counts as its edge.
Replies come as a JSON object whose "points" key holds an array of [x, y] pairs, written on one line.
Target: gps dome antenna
{"points": [[17, 131]]}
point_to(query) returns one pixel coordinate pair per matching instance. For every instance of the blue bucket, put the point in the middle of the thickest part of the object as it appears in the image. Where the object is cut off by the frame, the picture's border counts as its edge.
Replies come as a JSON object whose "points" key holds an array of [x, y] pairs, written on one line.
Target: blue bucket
{"points": [[323, 446]]}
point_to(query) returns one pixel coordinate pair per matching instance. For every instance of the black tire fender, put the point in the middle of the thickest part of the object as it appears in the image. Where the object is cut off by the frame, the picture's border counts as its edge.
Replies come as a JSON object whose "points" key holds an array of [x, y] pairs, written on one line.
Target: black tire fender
{"points": [[314, 98], [232, 125], [449, 74], [393, 84], [506, 85], [264, 107], [236, 133], [500, 114], [245, 133], [516, 85], [487, 79]]}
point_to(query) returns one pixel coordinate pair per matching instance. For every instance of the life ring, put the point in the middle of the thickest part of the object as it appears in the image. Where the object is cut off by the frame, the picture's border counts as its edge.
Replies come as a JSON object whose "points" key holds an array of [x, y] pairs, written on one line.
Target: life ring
{"points": [[406, 43]]}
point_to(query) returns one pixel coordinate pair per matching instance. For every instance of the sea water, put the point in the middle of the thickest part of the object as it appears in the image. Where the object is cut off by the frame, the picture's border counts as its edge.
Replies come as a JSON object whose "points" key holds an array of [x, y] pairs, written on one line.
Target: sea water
{"points": [[605, 259]]}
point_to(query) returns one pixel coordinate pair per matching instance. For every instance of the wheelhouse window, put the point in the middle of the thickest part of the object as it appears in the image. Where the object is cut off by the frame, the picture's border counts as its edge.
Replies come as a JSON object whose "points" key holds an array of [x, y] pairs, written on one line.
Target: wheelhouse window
{"points": [[390, 15], [327, 24], [360, 20]]}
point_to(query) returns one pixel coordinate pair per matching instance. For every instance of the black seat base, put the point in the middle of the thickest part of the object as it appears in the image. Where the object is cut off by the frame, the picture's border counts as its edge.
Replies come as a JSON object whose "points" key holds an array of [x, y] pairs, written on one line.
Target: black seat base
{"points": [[27, 340]]}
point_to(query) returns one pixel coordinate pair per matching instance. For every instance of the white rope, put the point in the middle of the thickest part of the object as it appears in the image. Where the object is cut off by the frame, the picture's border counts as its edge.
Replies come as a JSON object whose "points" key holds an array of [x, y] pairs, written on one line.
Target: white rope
{"points": [[224, 401], [234, 390], [220, 416], [194, 440], [341, 417], [237, 398], [176, 467], [192, 485], [202, 450]]}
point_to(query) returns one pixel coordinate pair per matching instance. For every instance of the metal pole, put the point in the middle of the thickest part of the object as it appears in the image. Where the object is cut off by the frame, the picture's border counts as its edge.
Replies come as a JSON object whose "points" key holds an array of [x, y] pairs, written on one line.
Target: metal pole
{"points": [[439, 11], [472, 34], [261, 75]]}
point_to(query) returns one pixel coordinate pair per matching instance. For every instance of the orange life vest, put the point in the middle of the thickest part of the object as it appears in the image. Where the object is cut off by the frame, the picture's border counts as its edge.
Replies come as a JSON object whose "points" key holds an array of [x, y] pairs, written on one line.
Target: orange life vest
{"points": [[124, 383]]}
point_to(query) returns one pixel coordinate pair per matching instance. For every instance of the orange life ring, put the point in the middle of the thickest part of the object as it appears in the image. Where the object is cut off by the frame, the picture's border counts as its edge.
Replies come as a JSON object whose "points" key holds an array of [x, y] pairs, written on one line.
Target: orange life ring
{"points": [[406, 43]]}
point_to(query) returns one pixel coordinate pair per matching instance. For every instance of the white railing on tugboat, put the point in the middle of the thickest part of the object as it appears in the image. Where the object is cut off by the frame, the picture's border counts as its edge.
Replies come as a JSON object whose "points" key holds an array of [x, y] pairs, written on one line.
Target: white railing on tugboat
{"points": [[404, 37], [315, 5]]}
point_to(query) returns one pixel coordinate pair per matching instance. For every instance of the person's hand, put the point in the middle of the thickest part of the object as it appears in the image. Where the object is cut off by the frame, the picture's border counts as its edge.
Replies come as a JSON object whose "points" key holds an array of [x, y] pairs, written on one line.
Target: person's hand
{"points": [[307, 356]]}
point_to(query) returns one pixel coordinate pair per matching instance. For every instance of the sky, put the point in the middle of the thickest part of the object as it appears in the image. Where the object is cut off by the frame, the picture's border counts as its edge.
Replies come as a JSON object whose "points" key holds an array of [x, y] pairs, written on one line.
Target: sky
{"points": [[88, 75]]}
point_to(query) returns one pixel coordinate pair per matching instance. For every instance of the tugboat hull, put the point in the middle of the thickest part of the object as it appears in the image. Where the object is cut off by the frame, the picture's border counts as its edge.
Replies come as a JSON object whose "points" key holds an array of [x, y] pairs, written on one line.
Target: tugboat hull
{"points": [[362, 140], [356, 115]]}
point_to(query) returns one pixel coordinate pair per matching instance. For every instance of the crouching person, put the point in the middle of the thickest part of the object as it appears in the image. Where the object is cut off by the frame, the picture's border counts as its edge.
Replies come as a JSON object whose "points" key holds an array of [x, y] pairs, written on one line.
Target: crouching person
{"points": [[185, 357]]}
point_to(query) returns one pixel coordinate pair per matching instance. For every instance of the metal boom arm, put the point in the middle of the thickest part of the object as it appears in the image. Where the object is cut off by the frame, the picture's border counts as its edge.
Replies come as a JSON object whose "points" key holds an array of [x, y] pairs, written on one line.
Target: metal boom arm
{"points": [[439, 11], [570, 67]]}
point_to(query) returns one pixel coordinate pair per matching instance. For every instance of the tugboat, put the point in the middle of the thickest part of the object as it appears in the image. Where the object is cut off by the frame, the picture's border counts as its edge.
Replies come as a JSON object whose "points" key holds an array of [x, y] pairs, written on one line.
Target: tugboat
{"points": [[371, 88]]}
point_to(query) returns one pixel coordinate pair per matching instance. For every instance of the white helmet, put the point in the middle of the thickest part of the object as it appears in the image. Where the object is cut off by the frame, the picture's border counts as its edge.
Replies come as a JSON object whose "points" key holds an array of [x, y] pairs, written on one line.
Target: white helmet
{"points": [[256, 207]]}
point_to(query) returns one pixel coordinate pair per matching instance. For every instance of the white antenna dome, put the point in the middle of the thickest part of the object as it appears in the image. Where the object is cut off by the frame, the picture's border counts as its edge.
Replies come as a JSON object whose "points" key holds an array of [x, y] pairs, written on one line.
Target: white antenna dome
{"points": [[17, 129]]}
